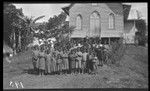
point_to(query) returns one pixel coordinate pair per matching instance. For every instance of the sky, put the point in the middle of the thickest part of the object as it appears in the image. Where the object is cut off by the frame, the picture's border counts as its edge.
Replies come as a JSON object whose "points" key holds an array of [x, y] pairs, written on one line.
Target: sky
{"points": [[36, 10], [49, 10]]}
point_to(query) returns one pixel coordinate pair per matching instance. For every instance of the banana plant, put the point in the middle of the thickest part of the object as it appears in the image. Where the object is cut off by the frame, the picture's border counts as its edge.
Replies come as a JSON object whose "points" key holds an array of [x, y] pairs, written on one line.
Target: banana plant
{"points": [[30, 23]]}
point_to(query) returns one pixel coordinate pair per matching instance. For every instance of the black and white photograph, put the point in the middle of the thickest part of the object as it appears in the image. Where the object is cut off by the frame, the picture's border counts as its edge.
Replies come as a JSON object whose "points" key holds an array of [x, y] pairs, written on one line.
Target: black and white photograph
{"points": [[75, 45]]}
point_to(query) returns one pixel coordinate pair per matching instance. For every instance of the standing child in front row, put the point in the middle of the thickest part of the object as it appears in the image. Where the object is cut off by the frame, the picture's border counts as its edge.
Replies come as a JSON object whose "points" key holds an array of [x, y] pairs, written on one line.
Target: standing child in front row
{"points": [[79, 58], [65, 61], [95, 62], [48, 62], [53, 64], [73, 63], [71, 60], [42, 61], [35, 59], [84, 60], [59, 64]]}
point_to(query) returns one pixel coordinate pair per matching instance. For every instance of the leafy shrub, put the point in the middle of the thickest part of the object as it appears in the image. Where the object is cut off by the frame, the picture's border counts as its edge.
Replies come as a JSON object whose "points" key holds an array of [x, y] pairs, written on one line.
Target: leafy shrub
{"points": [[117, 52], [142, 32]]}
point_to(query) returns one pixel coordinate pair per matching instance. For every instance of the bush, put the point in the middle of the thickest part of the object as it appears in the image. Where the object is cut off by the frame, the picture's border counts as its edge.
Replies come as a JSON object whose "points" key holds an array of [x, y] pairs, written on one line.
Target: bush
{"points": [[141, 34], [117, 52]]}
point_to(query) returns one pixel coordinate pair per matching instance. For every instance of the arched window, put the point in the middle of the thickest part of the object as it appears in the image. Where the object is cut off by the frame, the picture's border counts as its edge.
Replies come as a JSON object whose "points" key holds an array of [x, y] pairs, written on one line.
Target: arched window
{"points": [[111, 21], [95, 24], [79, 22]]}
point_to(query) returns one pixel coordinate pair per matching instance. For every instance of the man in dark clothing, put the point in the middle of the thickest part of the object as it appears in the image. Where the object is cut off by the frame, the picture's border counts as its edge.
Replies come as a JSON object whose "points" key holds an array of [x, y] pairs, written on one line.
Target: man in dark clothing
{"points": [[70, 60], [89, 62], [99, 55]]}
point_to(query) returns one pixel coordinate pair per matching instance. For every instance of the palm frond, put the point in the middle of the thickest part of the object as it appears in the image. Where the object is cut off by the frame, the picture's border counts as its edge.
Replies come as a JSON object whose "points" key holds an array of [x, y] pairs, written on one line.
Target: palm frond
{"points": [[37, 18], [21, 17]]}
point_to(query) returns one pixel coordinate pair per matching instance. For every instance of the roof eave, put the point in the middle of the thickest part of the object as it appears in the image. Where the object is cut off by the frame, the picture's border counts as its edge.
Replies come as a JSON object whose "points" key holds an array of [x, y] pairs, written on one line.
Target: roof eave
{"points": [[66, 9], [126, 8]]}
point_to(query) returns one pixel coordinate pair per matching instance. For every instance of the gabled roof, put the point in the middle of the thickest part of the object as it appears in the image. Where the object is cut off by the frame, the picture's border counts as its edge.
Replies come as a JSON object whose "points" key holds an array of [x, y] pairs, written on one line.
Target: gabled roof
{"points": [[67, 8], [115, 9], [126, 9]]}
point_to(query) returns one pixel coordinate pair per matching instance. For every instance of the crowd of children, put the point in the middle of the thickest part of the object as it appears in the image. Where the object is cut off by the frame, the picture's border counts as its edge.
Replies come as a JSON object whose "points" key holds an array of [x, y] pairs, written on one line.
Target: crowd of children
{"points": [[59, 60]]}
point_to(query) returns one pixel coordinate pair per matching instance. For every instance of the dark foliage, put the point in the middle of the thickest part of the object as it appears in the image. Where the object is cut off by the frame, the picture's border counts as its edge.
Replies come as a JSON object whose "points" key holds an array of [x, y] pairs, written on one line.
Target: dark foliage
{"points": [[141, 33]]}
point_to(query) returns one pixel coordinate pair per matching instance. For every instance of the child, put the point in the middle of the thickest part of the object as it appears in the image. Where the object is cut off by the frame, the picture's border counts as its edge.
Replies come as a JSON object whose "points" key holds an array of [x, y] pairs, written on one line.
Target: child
{"points": [[62, 59], [79, 58], [59, 63], [89, 62], [48, 62], [72, 61], [84, 60], [76, 61], [95, 62], [35, 59], [42, 62], [53, 65], [65, 60]]}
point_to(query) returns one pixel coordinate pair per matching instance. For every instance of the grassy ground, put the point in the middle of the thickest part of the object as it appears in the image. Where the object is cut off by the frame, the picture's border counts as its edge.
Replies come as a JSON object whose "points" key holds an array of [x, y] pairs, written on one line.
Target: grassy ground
{"points": [[132, 72]]}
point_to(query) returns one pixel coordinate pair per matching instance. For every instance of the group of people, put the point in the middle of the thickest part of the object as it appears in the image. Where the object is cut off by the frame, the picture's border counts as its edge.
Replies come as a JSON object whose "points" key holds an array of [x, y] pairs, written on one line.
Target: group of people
{"points": [[59, 60]]}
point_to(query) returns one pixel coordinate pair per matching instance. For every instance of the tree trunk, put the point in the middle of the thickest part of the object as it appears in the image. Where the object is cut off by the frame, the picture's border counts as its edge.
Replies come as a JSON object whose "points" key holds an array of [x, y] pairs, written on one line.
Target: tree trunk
{"points": [[19, 40], [14, 44]]}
